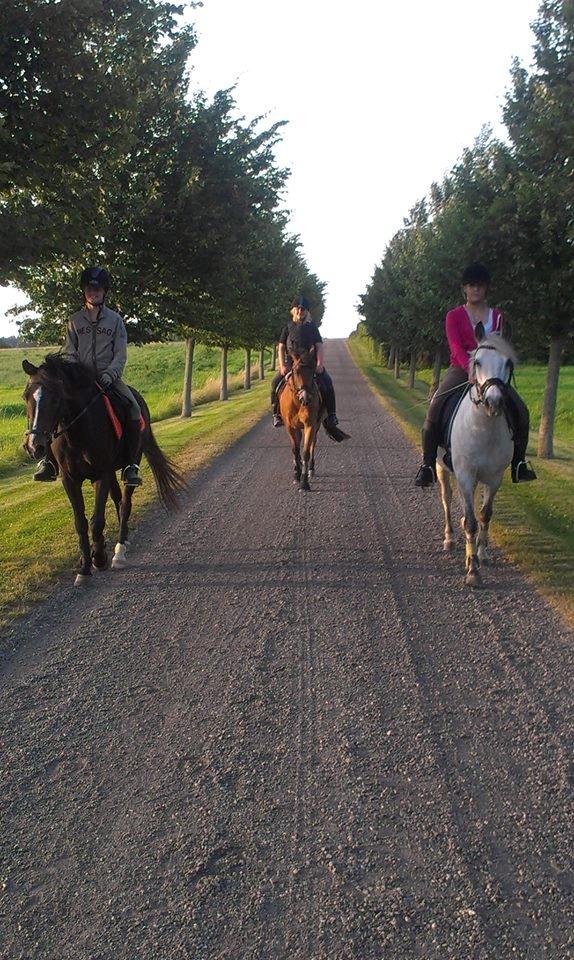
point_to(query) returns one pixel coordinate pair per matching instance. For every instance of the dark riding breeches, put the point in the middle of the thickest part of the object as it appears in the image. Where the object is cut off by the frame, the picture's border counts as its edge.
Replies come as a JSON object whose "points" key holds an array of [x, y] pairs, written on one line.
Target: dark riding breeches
{"points": [[456, 376]]}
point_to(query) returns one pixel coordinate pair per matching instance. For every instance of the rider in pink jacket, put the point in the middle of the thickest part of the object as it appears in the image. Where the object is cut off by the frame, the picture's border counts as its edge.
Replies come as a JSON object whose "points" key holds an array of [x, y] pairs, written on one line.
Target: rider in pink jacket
{"points": [[460, 324]]}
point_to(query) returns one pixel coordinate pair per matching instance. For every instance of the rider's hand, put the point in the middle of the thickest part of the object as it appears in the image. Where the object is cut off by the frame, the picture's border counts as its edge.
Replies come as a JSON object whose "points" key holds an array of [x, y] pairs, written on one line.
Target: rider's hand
{"points": [[282, 369], [106, 380], [320, 368]]}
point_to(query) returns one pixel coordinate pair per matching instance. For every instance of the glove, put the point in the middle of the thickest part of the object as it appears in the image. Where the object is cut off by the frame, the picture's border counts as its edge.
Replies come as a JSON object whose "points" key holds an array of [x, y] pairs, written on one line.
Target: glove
{"points": [[106, 380]]}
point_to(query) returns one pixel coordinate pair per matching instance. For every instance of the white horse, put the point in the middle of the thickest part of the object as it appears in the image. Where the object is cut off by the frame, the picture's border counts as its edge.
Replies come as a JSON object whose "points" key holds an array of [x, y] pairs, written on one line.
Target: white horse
{"points": [[481, 447]]}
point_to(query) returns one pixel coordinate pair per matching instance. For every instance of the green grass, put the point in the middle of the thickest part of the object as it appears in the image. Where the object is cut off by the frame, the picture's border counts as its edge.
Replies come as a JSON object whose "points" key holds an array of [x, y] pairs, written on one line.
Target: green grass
{"points": [[37, 539], [534, 522]]}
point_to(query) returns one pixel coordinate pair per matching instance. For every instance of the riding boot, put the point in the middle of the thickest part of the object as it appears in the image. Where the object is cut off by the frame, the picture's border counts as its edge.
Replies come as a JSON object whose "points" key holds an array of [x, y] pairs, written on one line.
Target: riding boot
{"points": [[275, 394], [521, 469], [426, 474], [47, 468], [130, 473], [328, 394]]}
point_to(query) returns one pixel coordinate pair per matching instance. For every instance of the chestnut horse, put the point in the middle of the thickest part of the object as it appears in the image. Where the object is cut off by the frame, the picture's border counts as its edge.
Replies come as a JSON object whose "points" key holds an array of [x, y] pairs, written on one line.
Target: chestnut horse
{"points": [[302, 410]]}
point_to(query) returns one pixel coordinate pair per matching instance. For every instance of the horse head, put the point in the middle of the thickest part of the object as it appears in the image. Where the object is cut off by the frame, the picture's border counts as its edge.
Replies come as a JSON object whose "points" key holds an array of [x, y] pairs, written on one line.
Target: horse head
{"points": [[492, 364], [302, 372], [54, 388]]}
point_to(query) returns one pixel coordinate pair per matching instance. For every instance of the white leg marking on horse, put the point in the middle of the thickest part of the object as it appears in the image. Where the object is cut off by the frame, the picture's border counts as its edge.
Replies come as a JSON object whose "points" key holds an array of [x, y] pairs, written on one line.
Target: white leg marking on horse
{"points": [[119, 560]]}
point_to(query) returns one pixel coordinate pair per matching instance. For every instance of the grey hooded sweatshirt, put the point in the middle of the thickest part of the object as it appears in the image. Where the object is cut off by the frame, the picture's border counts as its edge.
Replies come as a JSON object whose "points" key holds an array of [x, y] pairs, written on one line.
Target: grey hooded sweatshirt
{"points": [[101, 345]]}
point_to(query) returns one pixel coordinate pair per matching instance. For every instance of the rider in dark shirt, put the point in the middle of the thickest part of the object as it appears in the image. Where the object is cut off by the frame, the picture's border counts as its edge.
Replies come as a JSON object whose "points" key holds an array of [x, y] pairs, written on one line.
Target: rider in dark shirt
{"points": [[301, 333]]}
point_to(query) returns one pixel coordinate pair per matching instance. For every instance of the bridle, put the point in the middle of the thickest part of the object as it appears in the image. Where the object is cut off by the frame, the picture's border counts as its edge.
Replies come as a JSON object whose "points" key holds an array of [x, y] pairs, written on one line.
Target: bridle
{"points": [[51, 435], [481, 388], [302, 394]]}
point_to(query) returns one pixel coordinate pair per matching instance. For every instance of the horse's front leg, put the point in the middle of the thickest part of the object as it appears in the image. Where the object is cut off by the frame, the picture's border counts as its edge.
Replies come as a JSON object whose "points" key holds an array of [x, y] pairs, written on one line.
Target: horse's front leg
{"points": [[484, 518], [76, 498], [98, 523], [307, 444], [295, 438], [446, 500], [119, 560], [470, 527]]}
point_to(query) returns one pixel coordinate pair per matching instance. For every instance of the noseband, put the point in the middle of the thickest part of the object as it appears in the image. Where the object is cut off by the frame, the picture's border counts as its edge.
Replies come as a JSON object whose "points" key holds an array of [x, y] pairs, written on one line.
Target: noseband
{"points": [[481, 388]]}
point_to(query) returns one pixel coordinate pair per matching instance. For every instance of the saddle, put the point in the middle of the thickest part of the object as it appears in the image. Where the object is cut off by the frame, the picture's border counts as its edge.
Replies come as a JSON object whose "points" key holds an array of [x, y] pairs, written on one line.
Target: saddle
{"points": [[445, 423], [116, 409]]}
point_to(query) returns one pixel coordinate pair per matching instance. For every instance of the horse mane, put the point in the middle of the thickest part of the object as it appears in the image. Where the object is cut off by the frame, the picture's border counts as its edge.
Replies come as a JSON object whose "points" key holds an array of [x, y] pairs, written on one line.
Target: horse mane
{"points": [[503, 347], [74, 375]]}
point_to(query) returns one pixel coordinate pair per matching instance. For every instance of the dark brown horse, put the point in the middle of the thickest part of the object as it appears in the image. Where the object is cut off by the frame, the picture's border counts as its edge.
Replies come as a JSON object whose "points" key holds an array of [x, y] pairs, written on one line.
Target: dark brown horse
{"points": [[65, 409], [302, 410]]}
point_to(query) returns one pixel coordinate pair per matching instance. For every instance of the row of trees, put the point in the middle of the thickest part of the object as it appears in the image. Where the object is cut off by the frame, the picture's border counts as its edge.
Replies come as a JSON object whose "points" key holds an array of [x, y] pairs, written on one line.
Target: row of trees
{"points": [[508, 204], [105, 158]]}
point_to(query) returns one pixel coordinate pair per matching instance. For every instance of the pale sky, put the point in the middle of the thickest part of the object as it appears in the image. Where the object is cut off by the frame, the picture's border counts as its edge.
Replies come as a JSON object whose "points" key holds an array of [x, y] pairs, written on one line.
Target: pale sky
{"points": [[381, 98]]}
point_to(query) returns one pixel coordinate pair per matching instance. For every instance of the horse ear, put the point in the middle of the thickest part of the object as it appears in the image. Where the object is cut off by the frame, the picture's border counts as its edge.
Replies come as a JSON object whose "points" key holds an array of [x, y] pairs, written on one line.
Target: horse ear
{"points": [[479, 332], [29, 368]]}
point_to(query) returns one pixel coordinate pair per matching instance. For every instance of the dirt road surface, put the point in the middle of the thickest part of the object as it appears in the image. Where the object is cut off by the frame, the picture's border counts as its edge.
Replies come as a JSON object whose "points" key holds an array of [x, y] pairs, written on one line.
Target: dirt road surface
{"points": [[289, 731]]}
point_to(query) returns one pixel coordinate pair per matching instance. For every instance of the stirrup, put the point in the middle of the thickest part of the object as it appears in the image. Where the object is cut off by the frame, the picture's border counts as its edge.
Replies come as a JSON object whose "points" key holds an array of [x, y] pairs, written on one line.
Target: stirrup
{"points": [[426, 476], [331, 420], [46, 471], [130, 475], [522, 472]]}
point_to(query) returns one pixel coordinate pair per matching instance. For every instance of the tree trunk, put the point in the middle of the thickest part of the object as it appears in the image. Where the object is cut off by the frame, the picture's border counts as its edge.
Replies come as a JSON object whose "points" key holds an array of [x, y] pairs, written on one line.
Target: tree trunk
{"points": [[381, 353], [223, 392], [247, 372], [436, 372], [412, 369], [391, 360], [397, 363], [546, 431], [187, 377], [274, 357], [262, 363]]}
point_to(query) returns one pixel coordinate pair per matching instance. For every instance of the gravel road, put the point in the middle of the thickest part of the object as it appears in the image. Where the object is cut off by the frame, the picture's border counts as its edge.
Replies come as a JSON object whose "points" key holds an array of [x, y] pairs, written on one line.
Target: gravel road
{"points": [[289, 731]]}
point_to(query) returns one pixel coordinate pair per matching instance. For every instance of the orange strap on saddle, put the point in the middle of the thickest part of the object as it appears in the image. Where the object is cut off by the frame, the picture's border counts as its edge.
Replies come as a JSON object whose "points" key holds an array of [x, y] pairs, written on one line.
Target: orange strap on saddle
{"points": [[118, 429]]}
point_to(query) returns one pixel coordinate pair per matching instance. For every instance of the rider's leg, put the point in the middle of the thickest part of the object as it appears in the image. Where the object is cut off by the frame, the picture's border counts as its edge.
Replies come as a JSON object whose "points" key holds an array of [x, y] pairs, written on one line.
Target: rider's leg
{"points": [[130, 473], [426, 475], [520, 467], [275, 384], [328, 394], [47, 468]]}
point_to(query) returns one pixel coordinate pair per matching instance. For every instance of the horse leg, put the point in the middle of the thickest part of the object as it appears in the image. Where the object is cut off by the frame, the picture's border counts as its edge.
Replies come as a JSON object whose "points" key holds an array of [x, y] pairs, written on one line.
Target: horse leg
{"points": [[116, 495], [295, 438], [119, 560], [470, 527], [446, 500], [312, 457], [484, 518], [76, 498], [304, 481], [98, 522]]}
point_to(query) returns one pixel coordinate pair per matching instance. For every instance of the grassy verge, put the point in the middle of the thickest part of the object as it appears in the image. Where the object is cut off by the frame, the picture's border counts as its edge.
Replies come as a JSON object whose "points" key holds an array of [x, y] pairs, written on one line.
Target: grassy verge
{"points": [[37, 539], [534, 522]]}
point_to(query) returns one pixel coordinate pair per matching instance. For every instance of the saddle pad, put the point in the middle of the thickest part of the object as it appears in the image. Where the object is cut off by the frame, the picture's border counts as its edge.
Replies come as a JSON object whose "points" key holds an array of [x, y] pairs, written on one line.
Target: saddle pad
{"points": [[114, 419], [449, 412]]}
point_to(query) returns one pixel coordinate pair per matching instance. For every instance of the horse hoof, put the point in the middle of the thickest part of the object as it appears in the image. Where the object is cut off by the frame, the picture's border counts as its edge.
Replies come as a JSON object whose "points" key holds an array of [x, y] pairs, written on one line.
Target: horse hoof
{"points": [[448, 544], [82, 579], [304, 488], [473, 580], [119, 563], [100, 567]]}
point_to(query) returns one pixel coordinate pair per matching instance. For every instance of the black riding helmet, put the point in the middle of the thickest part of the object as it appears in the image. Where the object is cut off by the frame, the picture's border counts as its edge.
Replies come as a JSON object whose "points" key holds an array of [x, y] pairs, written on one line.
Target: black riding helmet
{"points": [[476, 273], [95, 277], [300, 302]]}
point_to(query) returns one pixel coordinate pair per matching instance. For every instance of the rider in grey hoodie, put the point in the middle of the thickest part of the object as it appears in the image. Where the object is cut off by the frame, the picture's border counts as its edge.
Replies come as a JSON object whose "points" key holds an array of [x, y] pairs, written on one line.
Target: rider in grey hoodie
{"points": [[96, 336]]}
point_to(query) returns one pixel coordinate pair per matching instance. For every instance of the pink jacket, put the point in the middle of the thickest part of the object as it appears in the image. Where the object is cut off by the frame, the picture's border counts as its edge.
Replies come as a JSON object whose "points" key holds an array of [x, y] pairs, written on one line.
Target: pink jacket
{"points": [[460, 334]]}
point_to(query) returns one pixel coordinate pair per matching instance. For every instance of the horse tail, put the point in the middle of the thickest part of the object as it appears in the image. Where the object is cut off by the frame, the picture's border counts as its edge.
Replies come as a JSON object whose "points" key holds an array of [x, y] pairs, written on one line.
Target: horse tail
{"points": [[335, 433], [169, 481]]}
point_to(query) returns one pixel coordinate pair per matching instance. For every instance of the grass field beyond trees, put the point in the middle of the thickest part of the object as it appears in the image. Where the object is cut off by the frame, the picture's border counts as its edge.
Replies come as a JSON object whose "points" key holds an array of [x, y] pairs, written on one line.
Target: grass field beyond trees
{"points": [[533, 522]]}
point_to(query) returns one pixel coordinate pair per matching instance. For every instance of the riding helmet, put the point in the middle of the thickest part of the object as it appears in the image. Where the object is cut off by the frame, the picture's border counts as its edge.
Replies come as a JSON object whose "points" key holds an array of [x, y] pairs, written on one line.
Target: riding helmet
{"points": [[300, 302], [476, 273], [95, 277]]}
